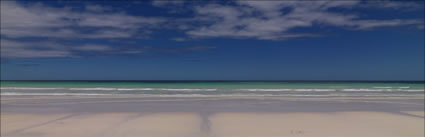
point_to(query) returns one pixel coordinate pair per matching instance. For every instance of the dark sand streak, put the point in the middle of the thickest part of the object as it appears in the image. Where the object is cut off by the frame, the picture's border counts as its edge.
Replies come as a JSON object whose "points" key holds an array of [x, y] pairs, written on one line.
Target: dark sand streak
{"points": [[407, 114], [41, 124], [125, 120]]}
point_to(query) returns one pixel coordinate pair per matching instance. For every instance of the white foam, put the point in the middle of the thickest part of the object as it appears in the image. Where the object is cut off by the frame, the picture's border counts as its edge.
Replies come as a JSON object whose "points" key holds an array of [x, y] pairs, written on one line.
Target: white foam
{"points": [[29, 88], [303, 90], [403, 87], [415, 90], [185, 89], [144, 89], [315, 90], [93, 89], [252, 90], [363, 89], [263, 89], [324, 89], [382, 87], [204, 95], [52, 94], [375, 89], [132, 89]]}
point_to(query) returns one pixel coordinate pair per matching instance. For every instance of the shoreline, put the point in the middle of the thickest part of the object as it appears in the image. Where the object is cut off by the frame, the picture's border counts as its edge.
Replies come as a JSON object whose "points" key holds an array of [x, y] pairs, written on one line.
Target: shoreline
{"points": [[211, 103]]}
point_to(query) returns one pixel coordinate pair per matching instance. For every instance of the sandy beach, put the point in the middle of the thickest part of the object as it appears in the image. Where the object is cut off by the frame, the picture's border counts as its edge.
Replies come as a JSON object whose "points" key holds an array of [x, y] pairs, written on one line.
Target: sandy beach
{"points": [[74, 116]]}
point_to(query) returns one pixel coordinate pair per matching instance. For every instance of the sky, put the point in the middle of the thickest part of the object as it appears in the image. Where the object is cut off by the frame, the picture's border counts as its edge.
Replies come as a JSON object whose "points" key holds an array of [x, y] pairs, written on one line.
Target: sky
{"points": [[212, 40]]}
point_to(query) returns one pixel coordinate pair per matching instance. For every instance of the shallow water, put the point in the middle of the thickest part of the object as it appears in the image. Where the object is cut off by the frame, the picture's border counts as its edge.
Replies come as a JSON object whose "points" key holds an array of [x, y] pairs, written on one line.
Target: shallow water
{"points": [[209, 88]]}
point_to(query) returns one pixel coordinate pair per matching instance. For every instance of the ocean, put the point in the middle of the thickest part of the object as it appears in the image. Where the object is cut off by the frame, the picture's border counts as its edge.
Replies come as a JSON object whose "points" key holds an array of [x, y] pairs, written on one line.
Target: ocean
{"points": [[214, 88]]}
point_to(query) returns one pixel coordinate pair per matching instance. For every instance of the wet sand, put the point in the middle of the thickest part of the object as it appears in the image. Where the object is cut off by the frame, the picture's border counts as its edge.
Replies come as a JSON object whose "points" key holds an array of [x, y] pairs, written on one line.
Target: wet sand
{"points": [[73, 116]]}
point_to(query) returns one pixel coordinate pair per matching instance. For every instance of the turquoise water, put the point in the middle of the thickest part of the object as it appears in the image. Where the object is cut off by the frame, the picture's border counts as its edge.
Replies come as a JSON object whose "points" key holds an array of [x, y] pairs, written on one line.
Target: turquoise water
{"points": [[204, 87]]}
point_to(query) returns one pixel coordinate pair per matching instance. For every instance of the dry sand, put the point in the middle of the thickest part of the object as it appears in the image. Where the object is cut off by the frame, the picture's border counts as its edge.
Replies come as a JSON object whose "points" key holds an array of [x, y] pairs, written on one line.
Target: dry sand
{"points": [[341, 124], [100, 125], [219, 118], [347, 124]]}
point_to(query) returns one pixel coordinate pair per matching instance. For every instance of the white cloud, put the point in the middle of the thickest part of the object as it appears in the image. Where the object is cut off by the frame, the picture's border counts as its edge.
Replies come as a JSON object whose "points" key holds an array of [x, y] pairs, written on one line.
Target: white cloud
{"points": [[16, 49], [179, 39], [264, 20], [393, 4], [97, 8], [34, 49], [37, 49], [243, 19], [162, 3], [272, 20], [42, 21], [91, 47]]}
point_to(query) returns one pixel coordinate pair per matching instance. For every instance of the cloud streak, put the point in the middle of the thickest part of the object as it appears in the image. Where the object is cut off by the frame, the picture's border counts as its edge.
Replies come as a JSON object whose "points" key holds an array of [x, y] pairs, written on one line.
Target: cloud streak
{"points": [[266, 20], [38, 20], [274, 20], [30, 49], [262, 20], [15, 49]]}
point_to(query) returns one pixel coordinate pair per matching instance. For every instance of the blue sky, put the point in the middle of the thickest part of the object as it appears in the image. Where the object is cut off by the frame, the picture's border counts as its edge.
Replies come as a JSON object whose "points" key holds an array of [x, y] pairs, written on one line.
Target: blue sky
{"points": [[212, 40]]}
